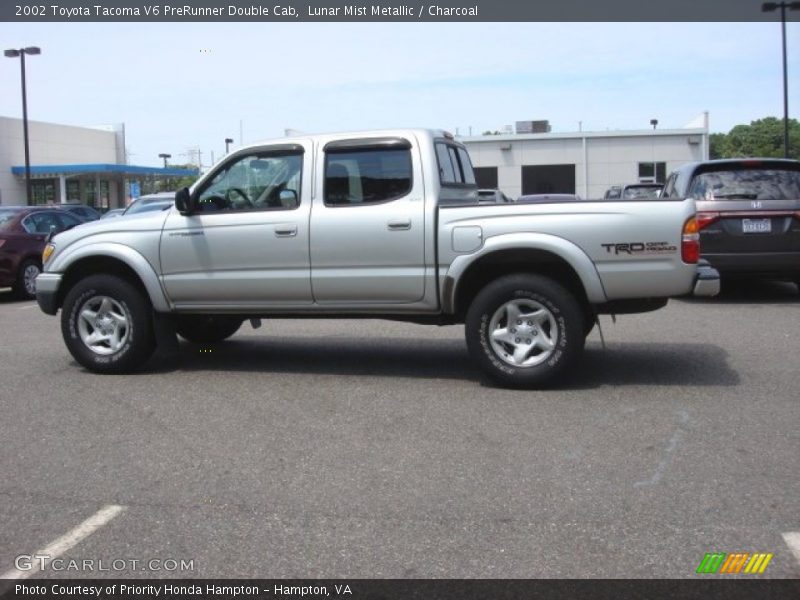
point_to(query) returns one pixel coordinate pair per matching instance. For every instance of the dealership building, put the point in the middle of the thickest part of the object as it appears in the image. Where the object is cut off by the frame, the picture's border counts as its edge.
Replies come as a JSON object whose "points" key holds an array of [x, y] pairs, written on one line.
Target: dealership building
{"points": [[80, 164], [585, 163]]}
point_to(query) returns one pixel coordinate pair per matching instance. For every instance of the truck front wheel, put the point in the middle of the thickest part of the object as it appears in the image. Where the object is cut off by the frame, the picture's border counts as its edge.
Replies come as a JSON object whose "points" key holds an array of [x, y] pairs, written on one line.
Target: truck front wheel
{"points": [[524, 330], [107, 324]]}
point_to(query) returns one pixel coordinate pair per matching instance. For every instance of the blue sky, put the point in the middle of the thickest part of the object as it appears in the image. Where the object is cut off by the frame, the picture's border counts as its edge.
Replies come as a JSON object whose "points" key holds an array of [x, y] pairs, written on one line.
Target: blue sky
{"points": [[177, 86]]}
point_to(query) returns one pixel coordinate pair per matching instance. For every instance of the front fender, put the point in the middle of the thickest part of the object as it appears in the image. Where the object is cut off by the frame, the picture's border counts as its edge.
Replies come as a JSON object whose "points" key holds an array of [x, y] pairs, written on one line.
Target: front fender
{"points": [[133, 259], [564, 249]]}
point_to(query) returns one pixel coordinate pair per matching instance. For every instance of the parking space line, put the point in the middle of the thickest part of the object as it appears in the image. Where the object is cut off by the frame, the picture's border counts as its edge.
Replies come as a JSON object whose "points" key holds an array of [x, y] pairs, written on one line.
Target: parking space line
{"points": [[792, 539], [67, 541], [34, 305]]}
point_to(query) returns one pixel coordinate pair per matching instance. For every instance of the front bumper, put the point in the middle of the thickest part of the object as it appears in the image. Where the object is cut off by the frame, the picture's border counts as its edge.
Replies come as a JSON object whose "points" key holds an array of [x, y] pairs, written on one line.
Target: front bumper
{"points": [[47, 292], [706, 282]]}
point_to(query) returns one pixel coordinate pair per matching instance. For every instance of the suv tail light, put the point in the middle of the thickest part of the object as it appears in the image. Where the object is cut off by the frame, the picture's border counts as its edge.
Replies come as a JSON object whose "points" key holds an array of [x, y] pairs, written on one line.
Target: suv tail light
{"points": [[690, 241], [704, 219]]}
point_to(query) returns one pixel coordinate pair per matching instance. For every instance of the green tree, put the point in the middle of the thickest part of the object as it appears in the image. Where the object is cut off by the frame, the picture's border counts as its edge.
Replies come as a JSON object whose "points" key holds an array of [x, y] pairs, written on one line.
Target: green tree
{"points": [[760, 138], [717, 145]]}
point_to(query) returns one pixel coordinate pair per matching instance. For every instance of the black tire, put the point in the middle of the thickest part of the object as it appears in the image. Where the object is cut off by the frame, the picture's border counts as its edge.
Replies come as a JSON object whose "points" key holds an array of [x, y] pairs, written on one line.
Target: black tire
{"points": [[129, 345], [550, 317], [24, 287], [207, 329], [589, 321]]}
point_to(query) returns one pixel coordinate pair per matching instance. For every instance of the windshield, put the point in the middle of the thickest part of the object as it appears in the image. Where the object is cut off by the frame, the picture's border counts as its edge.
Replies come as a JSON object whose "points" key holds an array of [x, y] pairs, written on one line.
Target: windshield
{"points": [[746, 184]]}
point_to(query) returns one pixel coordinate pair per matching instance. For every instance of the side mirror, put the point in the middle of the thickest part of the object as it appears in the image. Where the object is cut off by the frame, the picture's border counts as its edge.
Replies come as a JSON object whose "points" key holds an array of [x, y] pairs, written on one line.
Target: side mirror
{"points": [[183, 201], [288, 198]]}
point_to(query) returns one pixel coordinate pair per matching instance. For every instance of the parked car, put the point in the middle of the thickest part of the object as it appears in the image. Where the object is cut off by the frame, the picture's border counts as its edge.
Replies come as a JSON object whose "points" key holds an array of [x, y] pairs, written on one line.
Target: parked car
{"points": [[614, 192], [748, 213], [82, 211], [23, 231], [370, 225], [637, 191], [150, 202], [492, 197], [540, 198], [143, 204]]}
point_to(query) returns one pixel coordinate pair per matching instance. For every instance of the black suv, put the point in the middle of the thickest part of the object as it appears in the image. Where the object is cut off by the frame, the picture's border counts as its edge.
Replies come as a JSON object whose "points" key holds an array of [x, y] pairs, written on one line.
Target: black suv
{"points": [[748, 213]]}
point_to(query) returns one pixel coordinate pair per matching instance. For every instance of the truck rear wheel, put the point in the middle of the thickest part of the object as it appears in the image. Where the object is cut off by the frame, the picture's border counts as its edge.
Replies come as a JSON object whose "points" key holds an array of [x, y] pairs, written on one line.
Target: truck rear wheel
{"points": [[107, 324], [207, 329], [524, 330]]}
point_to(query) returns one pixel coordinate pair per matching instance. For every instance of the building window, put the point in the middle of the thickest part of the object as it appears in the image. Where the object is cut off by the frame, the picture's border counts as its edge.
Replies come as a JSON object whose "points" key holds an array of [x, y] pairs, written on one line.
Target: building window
{"points": [[89, 194], [486, 177], [73, 192], [44, 192], [649, 175], [104, 194]]}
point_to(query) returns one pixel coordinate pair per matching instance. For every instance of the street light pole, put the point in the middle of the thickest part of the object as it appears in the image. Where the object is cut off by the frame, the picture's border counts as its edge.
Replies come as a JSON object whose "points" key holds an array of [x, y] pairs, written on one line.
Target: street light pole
{"points": [[228, 142], [165, 157], [654, 123], [13, 53], [771, 7]]}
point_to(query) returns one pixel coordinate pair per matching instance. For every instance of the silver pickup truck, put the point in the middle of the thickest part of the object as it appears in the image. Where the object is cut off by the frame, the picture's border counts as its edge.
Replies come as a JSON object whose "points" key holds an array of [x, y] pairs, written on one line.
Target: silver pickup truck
{"points": [[383, 224]]}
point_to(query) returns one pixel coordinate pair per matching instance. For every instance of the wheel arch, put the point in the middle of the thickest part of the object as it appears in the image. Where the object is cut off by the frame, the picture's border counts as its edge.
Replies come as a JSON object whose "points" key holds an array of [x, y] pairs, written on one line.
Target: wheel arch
{"points": [[114, 260], [545, 255]]}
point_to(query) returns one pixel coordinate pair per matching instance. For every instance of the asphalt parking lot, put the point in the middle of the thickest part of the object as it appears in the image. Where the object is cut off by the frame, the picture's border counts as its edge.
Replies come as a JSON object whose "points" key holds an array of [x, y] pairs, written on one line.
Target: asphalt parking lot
{"points": [[374, 449]]}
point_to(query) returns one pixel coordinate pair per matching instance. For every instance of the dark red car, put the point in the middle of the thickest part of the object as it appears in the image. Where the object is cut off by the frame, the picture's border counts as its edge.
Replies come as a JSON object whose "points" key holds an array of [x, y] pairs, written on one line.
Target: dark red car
{"points": [[23, 230]]}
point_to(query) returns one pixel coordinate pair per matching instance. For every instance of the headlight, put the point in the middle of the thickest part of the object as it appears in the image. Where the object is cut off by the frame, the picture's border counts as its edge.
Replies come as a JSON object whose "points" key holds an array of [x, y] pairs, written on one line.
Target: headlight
{"points": [[48, 252]]}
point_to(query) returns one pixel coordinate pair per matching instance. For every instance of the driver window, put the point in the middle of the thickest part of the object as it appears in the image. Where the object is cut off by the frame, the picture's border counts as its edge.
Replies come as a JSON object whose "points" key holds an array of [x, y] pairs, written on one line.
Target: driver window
{"points": [[266, 181]]}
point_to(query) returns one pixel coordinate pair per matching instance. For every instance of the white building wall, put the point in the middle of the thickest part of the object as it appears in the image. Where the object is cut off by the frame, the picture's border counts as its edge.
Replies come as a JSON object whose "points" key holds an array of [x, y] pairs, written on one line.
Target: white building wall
{"points": [[612, 158], [50, 144]]}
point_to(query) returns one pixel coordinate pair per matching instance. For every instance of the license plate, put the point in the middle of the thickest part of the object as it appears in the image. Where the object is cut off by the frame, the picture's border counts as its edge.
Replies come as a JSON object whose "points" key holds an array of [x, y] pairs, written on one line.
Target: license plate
{"points": [[756, 226]]}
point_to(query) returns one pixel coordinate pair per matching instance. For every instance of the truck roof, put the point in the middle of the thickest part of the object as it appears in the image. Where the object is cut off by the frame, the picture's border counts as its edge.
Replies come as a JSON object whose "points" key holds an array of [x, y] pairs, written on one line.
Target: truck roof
{"points": [[418, 133]]}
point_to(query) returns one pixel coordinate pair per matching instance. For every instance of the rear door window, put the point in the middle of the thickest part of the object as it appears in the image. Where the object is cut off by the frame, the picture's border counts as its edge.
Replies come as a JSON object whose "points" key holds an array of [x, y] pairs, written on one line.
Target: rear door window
{"points": [[41, 222], [369, 175]]}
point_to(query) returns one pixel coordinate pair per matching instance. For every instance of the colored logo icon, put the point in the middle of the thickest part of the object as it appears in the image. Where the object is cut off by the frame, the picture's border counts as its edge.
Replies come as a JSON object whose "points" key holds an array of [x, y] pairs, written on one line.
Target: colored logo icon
{"points": [[737, 562]]}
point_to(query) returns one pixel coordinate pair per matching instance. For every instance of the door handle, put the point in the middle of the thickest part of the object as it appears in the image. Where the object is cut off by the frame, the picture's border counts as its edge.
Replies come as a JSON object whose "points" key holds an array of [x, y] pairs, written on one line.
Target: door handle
{"points": [[285, 230], [399, 224]]}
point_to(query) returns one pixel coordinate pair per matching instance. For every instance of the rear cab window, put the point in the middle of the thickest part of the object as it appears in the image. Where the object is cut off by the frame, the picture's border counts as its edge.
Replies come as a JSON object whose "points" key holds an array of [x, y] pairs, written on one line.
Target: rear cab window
{"points": [[456, 174], [455, 166]]}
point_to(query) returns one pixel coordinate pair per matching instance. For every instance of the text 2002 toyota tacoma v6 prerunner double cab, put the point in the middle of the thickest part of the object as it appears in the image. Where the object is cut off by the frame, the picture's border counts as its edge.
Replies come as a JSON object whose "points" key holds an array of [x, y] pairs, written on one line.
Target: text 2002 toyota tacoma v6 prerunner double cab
{"points": [[382, 224]]}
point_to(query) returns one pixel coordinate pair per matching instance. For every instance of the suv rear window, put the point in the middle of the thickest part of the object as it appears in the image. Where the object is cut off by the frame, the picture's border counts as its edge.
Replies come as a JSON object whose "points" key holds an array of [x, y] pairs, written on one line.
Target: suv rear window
{"points": [[746, 184]]}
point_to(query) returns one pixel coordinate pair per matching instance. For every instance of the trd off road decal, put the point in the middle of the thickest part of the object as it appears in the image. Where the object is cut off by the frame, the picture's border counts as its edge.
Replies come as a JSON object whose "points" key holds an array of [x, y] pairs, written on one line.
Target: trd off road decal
{"points": [[630, 248]]}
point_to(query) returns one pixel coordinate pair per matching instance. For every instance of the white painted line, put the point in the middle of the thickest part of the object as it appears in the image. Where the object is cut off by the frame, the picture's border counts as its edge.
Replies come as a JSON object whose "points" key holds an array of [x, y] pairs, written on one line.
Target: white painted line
{"points": [[66, 541], [34, 305], [792, 539], [674, 442]]}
